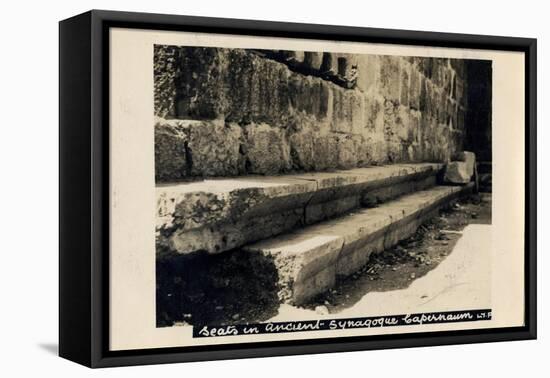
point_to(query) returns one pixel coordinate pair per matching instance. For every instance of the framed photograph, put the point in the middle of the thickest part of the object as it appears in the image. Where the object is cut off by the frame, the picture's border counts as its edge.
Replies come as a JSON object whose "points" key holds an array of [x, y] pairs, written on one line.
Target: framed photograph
{"points": [[234, 188]]}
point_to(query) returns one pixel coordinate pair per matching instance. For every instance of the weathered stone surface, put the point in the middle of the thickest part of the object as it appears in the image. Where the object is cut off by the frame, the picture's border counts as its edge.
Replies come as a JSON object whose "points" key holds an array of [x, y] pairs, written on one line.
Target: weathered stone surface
{"points": [[405, 83], [469, 158], [309, 95], [302, 150], [390, 78], [226, 236], [347, 70], [266, 149], [313, 60], [368, 73], [166, 70], [309, 260], [293, 57], [325, 152], [402, 109], [239, 86], [394, 189], [348, 111], [256, 90], [463, 169], [415, 89], [347, 146], [342, 191], [214, 149], [306, 263], [330, 64], [217, 215], [200, 92], [186, 149], [170, 152], [456, 172]]}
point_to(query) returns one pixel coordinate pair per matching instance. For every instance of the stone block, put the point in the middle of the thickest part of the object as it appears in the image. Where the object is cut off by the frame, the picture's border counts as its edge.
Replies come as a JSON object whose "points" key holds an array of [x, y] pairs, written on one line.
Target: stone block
{"points": [[423, 95], [226, 236], [431, 99], [329, 67], [469, 158], [214, 149], [441, 111], [325, 152], [244, 89], [266, 148], [347, 70], [256, 90], [200, 91], [348, 111], [185, 148], [403, 125], [374, 197], [341, 120], [415, 89], [302, 151], [305, 264], [452, 113], [457, 172], [374, 113], [437, 104], [309, 96], [216, 215], [319, 211], [239, 86], [405, 83], [170, 153], [165, 71], [427, 67], [347, 146], [368, 71], [313, 60], [293, 57], [309, 260], [390, 78], [320, 282]]}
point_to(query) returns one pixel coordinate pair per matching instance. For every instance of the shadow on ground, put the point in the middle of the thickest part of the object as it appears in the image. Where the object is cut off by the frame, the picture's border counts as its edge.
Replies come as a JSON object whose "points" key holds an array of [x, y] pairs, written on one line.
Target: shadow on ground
{"points": [[51, 348], [230, 287]]}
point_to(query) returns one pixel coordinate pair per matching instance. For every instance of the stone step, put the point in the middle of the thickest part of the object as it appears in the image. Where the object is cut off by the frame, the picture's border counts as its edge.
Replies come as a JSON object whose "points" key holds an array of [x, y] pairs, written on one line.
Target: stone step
{"points": [[221, 214], [309, 260]]}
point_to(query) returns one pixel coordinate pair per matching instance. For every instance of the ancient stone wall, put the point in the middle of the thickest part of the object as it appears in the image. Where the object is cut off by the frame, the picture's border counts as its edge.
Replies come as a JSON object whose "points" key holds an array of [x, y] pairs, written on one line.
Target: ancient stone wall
{"points": [[226, 112]]}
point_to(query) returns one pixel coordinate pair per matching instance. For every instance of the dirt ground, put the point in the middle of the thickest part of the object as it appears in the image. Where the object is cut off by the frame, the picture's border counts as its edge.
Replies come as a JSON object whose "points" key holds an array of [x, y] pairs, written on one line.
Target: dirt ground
{"points": [[397, 267]]}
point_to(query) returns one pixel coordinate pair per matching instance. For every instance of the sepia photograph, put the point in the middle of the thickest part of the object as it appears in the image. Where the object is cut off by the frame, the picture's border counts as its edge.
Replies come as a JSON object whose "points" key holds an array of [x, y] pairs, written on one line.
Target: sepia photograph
{"points": [[298, 186], [257, 188]]}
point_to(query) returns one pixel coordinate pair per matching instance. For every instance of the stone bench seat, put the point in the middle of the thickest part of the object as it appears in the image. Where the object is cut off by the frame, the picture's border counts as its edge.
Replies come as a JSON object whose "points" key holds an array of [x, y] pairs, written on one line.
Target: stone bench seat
{"points": [[309, 260], [217, 215]]}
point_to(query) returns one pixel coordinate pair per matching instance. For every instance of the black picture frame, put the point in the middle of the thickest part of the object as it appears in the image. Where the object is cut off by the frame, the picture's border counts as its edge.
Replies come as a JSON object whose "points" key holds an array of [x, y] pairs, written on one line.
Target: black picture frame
{"points": [[84, 183]]}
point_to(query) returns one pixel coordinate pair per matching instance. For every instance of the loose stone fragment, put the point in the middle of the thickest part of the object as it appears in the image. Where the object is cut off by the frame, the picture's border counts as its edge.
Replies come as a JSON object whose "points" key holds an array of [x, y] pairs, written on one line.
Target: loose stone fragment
{"points": [[457, 172]]}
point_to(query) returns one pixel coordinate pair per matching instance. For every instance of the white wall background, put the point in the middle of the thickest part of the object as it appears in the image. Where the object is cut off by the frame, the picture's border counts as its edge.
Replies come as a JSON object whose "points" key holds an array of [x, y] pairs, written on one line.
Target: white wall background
{"points": [[29, 185]]}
